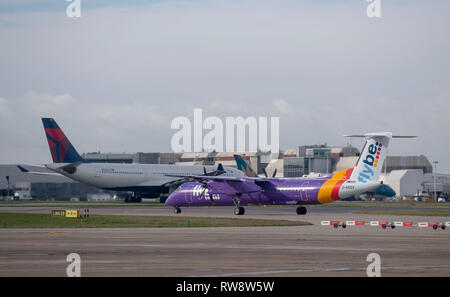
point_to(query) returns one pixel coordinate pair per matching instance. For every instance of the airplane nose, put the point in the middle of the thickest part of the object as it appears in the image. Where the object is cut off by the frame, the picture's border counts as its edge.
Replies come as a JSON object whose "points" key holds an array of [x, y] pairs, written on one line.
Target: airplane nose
{"points": [[169, 201], [172, 200]]}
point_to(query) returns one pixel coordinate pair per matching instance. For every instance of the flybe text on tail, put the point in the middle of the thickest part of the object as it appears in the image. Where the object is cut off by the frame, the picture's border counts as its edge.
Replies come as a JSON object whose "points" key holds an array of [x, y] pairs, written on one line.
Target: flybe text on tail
{"points": [[368, 168], [370, 161]]}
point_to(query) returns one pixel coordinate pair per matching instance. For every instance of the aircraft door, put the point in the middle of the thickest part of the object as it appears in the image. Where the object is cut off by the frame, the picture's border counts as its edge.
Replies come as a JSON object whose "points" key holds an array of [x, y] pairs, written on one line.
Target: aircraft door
{"points": [[304, 191], [188, 197]]}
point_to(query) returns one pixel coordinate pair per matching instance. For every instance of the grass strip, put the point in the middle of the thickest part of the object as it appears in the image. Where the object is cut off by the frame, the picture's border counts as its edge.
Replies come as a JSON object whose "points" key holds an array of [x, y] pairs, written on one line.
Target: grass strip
{"points": [[27, 220]]}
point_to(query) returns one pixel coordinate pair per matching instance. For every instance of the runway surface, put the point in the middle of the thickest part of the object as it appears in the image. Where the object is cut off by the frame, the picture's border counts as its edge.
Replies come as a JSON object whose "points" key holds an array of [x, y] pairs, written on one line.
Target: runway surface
{"points": [[246, 251]]}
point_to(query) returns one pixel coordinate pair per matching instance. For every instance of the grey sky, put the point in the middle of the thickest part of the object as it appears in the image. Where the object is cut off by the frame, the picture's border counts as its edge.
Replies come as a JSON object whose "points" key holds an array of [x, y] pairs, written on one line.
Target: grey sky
{"points": [[115, 78]]}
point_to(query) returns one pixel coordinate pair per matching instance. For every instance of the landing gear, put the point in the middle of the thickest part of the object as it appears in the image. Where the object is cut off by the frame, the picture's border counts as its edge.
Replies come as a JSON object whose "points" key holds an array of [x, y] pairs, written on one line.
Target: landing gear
{"points": [[135, 197], [239, 211], [301, 210], [176, 210]]}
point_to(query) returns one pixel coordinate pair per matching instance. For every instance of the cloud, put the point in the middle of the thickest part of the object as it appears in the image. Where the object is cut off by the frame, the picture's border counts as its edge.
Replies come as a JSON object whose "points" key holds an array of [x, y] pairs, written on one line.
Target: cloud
{"points": [[45, 103], [3, 106], [282, 106], [90, 126], [117, 76]]}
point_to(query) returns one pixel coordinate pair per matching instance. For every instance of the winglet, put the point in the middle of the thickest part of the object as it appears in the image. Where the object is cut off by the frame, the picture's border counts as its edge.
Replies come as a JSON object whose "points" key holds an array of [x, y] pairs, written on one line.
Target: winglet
{"points": [[22, 169]]}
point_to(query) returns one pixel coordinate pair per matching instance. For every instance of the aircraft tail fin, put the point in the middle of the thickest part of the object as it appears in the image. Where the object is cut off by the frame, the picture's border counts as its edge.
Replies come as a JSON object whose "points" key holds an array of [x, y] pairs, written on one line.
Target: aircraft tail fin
{"points": [[60, 147], [370, 162], [243, 166]]}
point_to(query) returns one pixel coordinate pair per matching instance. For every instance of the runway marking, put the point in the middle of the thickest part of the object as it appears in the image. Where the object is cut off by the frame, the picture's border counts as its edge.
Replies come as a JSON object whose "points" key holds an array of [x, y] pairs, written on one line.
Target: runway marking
{"points": [[321, 270], [246, 247], [59, 233], [56, 261]]}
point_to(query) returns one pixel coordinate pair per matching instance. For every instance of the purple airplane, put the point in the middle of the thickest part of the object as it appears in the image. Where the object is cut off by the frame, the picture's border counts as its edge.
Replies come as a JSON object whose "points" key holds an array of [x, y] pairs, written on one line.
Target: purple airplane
{"points": [[242, 191]]}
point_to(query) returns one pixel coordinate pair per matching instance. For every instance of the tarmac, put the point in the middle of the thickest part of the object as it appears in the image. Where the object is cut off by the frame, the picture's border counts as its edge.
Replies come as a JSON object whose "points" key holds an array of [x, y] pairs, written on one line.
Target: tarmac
{"points": [[313, 250]]}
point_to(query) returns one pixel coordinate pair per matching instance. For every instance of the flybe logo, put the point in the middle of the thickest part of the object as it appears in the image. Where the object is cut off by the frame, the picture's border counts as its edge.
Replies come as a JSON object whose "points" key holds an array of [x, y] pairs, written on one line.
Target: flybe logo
{"points": [[370, 161]]}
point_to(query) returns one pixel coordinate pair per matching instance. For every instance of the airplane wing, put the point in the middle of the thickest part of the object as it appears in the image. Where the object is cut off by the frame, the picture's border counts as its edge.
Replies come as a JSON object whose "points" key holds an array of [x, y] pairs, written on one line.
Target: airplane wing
{"points": [[207, 178], [24, 170], [227, 184], [186, 178]]}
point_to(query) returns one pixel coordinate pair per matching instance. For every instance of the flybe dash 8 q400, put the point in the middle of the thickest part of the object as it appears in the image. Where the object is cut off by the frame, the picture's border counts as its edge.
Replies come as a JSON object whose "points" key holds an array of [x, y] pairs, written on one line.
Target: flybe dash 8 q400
{"points": [[143, 180], [241, 191]]}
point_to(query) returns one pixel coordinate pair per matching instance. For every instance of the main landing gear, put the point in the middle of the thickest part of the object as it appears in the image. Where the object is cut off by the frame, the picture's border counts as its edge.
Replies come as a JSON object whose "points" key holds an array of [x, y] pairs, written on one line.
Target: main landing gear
{"points": [[301, 210], [135, 197], [238, 210]]}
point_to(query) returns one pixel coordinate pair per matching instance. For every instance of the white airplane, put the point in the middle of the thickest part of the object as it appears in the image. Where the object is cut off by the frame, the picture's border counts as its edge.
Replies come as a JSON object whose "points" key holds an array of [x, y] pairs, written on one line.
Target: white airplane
{"points": [[144, 180]]}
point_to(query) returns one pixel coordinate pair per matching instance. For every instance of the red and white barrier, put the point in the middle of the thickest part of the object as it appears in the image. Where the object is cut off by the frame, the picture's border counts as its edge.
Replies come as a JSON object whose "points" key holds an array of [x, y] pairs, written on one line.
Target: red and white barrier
{"points": [[355, 223], [385, 224]]}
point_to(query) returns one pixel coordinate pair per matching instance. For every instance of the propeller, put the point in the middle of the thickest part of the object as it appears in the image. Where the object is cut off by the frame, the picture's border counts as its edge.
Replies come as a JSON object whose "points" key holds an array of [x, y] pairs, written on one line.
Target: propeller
{"points": [[219, 170], [273, 175], [205, 187]]}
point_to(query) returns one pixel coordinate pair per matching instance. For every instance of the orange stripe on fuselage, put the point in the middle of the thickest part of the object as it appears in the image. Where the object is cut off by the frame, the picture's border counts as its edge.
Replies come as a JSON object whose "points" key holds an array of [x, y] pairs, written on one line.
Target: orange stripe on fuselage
{"points": [[329, 191]]}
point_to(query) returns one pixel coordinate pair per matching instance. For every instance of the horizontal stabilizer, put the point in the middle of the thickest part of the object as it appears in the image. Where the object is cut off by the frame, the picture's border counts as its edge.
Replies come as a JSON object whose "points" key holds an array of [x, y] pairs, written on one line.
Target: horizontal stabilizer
{"points": [[24, 170], [386, 134]]}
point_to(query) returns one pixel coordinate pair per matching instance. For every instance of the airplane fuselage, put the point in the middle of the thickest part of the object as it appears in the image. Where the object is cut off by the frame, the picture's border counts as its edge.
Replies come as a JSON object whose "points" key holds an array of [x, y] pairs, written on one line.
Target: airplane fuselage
{"points": [[132, 177], [300, 191]]}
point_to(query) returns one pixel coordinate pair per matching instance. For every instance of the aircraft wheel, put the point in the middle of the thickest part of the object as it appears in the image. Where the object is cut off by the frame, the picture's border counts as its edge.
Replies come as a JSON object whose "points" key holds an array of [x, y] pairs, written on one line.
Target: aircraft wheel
{"points": [[443, 227], [301, 210], [177, 210], [239, 211], [163, 198]]}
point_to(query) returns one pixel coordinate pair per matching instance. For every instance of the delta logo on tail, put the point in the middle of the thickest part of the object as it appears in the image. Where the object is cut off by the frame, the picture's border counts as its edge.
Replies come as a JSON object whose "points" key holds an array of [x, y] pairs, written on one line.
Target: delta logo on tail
{"points": [[60, 147]]}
